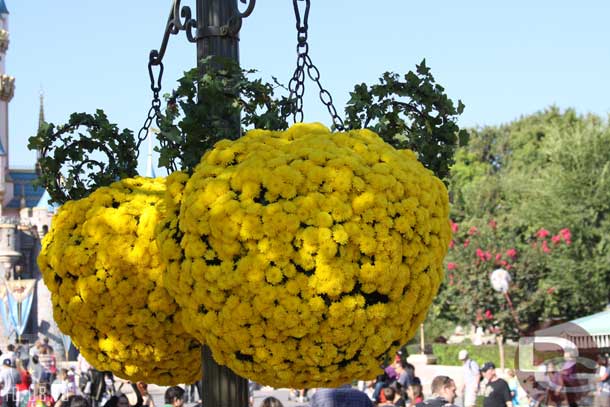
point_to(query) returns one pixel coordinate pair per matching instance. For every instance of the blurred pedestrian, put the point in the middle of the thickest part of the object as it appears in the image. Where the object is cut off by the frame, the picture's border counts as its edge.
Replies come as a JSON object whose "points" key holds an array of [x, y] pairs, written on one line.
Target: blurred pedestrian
{"points": [[602, 394], [472, 379], [271, 402], [9, 378], [444, 393], [497, 392], [344, 396], [415, 394], [174, 397]]}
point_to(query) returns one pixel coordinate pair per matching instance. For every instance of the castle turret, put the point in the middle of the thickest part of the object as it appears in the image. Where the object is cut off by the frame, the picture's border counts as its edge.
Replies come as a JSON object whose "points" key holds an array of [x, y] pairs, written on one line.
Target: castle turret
{"points": [[41, 122], [7, 89]]}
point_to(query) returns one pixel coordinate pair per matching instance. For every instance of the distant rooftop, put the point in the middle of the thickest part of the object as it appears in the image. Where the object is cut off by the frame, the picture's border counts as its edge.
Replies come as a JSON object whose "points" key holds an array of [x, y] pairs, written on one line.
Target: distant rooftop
{"points": [[3, 9], [23, 180]]}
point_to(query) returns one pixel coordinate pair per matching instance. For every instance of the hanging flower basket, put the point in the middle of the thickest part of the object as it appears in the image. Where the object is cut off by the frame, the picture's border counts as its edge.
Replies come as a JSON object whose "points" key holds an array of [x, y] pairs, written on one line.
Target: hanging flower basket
{"points": [[302, 258], [102, 265]]}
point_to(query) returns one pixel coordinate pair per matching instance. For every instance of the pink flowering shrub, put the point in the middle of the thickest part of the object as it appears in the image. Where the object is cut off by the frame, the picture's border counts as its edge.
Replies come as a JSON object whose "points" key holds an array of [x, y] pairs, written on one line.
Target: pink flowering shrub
{"points": [[476, 251]]}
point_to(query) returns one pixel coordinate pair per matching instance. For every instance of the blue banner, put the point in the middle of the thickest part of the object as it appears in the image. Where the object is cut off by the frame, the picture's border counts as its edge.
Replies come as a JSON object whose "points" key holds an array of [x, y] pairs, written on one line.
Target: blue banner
{"points": [[6, 323], [19, 311], [66, 341]]}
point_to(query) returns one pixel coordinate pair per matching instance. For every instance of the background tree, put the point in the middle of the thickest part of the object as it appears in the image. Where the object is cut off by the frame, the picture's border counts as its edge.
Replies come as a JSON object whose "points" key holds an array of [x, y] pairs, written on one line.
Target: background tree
{"points": [[547, 170]]}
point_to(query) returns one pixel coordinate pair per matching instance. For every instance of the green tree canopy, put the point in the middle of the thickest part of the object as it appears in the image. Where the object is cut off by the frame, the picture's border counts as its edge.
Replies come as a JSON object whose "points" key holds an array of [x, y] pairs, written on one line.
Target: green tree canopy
{"points": [[547, 170]]}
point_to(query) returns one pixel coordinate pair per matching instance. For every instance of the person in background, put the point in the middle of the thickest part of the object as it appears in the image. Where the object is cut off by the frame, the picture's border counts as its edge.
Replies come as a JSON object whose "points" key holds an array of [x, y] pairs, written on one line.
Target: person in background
{"points": [[77, 401], [10, 354], [271, 402], [45, 345], [443, 393], [513, 385], [569, 378], [9, 378], [472, 378], [415, 394], [344, 396], [144, 397], [406, 373], [400, 397], [602, 395], [554, 385], [48, 363], [82, 370], [497, 393], [23, 388], [42, 396], [369, 389], [117, 400], [389, 394], [174, 397], [23, 352], [36, 370]]}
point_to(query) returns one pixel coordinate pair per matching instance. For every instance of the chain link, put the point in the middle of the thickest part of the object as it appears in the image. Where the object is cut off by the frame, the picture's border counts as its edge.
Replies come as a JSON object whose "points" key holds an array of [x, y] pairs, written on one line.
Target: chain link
{"points": [[154, 113], [296, 86]]}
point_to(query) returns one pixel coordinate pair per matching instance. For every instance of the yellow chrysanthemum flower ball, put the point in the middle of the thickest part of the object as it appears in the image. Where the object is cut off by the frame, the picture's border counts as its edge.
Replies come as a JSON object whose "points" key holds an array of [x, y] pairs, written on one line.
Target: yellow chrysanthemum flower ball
{"points": [[169, 235], [309, 256], [101, 263]]}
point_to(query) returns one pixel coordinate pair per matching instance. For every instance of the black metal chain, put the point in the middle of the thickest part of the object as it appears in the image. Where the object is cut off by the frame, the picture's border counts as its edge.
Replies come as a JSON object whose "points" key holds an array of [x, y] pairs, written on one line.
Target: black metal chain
{"points": [[154, 113], [297, 82]]}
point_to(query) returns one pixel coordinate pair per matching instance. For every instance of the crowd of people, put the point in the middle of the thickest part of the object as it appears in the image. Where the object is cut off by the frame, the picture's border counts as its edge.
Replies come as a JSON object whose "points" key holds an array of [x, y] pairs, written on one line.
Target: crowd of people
{"points": [[30, 377], [557, 386]]}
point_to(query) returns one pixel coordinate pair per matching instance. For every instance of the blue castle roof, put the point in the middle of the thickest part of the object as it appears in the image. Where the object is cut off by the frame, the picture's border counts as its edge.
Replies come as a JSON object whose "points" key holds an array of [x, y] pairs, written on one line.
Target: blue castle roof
{"points": [[3, 9], [23, 180]]}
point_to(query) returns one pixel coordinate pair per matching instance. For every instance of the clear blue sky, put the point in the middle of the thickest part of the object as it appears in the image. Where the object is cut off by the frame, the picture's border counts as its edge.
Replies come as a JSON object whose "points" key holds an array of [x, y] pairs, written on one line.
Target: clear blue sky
{"points": [[502, 60]]}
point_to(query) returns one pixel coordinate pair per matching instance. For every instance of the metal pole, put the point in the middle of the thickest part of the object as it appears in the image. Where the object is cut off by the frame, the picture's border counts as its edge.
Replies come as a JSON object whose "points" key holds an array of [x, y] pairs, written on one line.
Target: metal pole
{"points": [[220, 386], [213, 39]]}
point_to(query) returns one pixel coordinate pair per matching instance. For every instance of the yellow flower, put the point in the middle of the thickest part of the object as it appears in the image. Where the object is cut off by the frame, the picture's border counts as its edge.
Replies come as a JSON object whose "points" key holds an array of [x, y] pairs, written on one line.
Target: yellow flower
{"points": [[102, 266], [310, 257]]}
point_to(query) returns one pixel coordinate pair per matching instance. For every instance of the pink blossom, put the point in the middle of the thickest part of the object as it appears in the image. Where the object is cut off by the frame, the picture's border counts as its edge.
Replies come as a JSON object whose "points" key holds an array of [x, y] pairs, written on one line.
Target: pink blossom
{"points": [[451, 266], [481, 254], [566, 235], [488, 314], [542, 233], [454, 226], [550, 290], [487, 255], [512, 253], [451, 244], [498, 256], [503, 263], [556, 239], [493, 224], [450, 279], [545, 247], [473, 230], [466, 243]]}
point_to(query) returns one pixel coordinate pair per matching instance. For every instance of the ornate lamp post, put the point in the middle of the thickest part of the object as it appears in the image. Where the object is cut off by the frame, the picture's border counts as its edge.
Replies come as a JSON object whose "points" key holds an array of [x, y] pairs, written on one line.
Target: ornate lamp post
{"points": [[216, 33]]}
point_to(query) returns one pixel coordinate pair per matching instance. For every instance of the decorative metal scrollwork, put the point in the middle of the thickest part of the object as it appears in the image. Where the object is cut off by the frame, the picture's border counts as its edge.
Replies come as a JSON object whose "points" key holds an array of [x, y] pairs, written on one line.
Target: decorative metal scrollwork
{"points": [[234, 24], [180, 19]]}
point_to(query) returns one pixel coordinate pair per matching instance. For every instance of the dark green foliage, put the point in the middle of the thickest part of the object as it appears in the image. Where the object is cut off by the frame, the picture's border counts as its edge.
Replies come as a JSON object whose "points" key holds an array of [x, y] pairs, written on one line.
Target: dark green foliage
{"points": [[222, 104], [73, 164], [206, 109], [411, 112]]}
